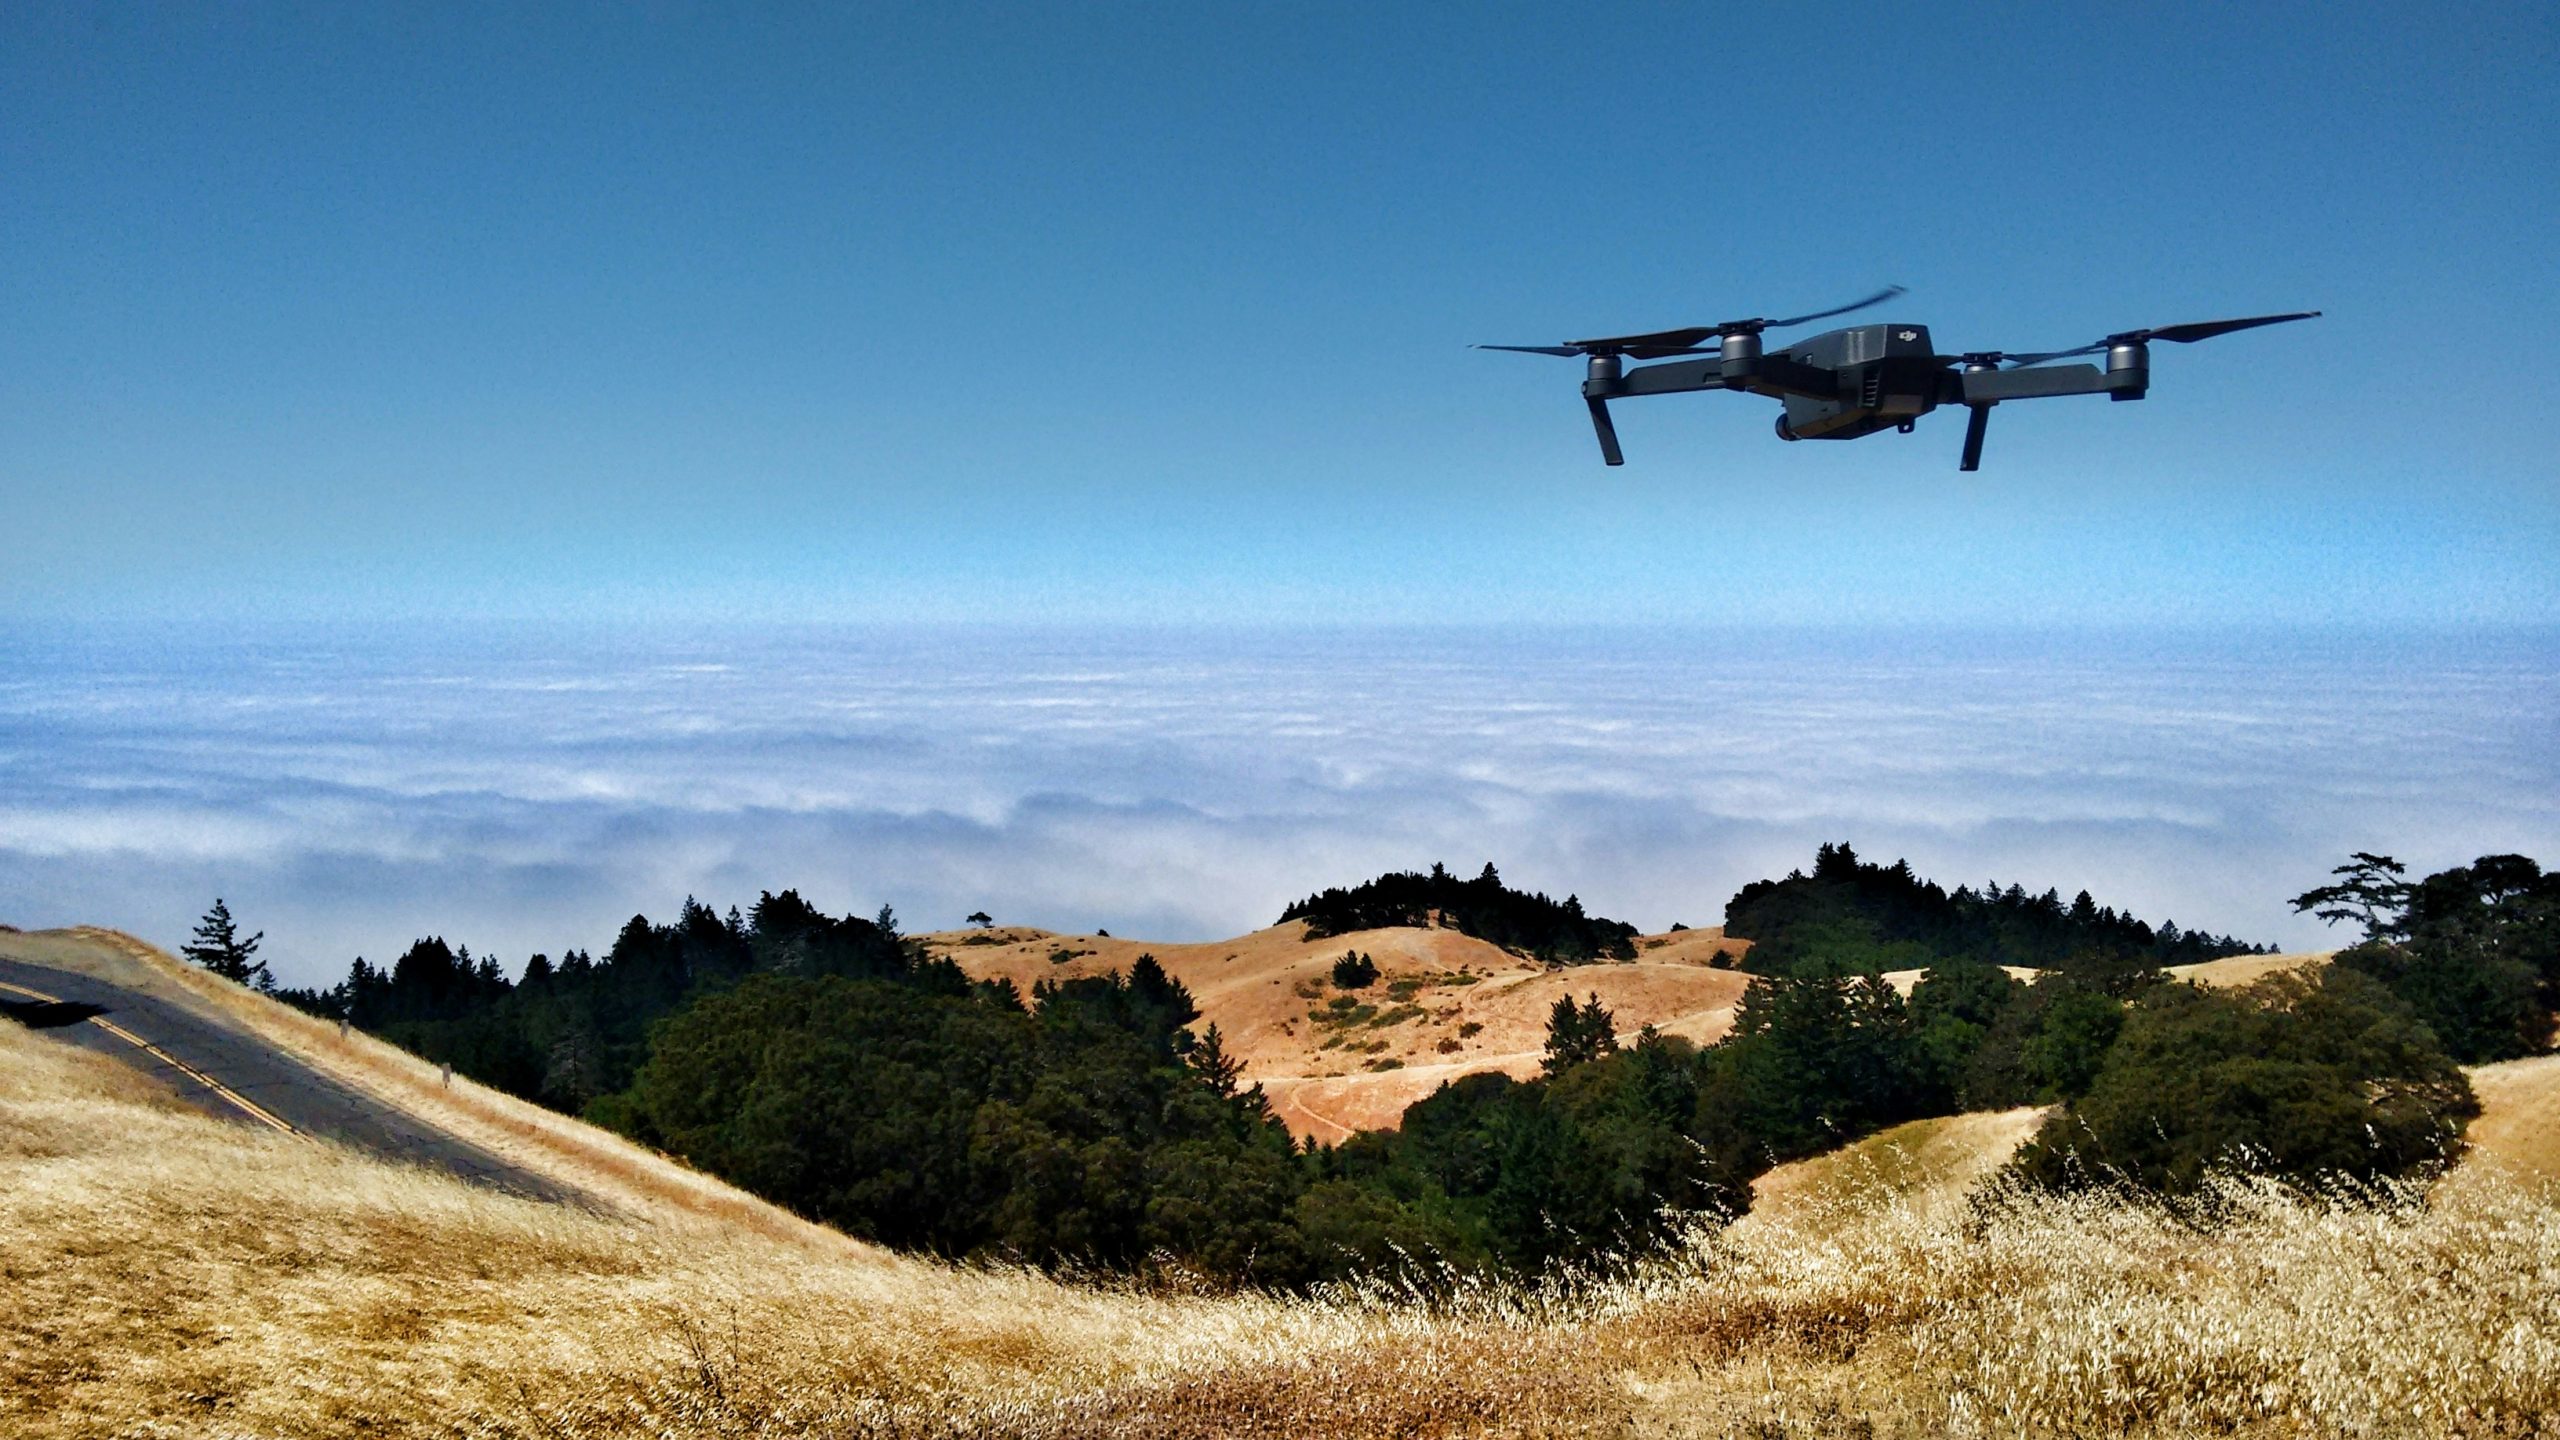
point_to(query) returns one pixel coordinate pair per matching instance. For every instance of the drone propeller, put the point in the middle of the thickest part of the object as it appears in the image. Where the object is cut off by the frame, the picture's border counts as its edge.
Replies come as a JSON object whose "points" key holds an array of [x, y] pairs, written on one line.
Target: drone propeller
{"points": [[1754, 326], [1660, 344], [2186, 334], [1634, 347]]}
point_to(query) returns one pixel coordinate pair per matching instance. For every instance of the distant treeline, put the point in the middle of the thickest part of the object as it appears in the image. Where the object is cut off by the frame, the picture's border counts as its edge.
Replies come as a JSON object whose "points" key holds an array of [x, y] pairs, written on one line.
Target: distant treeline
{"points": [[1849, 917], [1556, 933], [834, 1066]]}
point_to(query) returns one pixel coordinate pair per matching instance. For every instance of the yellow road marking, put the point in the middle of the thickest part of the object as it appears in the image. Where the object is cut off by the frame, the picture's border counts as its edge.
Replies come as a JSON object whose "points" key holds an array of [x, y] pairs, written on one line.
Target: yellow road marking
{"points": [[247, 1106]]}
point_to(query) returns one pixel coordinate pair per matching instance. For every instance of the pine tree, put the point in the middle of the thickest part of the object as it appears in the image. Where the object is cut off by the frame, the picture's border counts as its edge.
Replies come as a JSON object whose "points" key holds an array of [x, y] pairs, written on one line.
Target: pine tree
{"points": [[1210, 1060], [220, 949], [1577, 1034]]}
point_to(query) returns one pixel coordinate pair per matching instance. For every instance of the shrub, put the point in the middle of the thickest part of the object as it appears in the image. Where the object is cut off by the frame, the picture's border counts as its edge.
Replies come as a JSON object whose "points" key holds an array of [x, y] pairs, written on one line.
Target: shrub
{"points": [[1355, 971], [2303, 1078]]}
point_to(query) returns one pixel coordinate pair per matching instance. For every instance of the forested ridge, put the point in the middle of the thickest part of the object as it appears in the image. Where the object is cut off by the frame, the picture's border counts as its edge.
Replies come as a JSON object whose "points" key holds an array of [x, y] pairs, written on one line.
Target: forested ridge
{"points": [[835, 1066], [1848, 917], [1527, 924]]}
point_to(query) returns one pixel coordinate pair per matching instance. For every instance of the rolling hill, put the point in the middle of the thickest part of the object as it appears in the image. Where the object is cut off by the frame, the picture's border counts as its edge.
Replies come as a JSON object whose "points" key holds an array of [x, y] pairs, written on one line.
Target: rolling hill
{"points": [[1444, 1004]]}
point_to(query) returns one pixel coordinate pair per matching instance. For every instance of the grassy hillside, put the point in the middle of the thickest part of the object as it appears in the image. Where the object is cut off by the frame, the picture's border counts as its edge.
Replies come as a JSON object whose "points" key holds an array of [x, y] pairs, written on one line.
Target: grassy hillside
{"points": [[1444, 1005], [1453, 1005], [166, 1273]]}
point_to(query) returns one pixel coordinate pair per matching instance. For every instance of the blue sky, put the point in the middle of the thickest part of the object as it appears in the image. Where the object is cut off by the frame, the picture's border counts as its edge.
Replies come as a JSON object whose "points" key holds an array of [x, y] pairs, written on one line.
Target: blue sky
{"points": [[1132, 313]]}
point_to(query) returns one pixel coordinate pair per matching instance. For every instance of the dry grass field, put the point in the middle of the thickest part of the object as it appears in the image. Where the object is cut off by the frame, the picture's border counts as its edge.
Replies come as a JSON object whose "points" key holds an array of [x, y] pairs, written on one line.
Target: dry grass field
{"points": [[1444, 1005], [166, 1274]]}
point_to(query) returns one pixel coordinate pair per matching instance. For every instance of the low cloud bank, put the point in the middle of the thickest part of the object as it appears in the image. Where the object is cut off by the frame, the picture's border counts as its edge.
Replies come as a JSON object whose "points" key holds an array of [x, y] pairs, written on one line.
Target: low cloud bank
{"points": [[530, 790]]}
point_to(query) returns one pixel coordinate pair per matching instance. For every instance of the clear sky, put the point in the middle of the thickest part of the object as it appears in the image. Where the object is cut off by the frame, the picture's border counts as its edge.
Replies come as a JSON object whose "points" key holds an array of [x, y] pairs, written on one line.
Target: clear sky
{"points": [[1112, 312]]}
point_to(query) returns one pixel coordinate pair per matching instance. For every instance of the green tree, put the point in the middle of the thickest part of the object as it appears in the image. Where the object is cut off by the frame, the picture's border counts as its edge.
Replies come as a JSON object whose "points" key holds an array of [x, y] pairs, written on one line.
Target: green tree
{"points": [[1953, 1011], [2301, 1077], [2369, 891], [219, 948], [2474, 950], [1211, 1062], [1578, 1034], [1354, 971]]}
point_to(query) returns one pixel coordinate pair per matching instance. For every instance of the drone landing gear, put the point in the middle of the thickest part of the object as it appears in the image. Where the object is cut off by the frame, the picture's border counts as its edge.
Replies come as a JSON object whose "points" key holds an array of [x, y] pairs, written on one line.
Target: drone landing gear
{"points": [[1974, 425], [1785, 430], [1603, 372], [1906, 427]]}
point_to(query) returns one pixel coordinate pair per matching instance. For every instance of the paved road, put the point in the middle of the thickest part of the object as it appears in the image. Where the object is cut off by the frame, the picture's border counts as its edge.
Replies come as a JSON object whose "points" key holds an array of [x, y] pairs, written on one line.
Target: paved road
{"points": [[230, 1073]]}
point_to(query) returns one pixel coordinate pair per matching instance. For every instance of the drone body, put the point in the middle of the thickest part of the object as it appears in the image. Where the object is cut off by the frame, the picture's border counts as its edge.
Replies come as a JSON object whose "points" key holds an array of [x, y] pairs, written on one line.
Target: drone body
{"points": [[1846, 383]]}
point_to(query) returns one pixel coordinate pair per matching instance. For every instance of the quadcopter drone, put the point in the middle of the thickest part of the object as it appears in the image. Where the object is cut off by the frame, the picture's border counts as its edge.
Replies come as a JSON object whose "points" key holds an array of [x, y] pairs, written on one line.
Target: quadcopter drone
{"points": [[1842, 384]]}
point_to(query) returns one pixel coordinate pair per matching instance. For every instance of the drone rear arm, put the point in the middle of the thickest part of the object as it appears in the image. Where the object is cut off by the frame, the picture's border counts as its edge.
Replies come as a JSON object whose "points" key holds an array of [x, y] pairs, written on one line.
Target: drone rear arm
{"points": [[1765, 375], [1771, 375], [1980, 385], [1990, 387]]}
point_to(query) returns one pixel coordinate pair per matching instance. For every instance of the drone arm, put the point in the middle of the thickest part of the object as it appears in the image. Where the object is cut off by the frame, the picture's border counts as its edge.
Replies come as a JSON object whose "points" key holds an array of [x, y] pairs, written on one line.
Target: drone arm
{"points": [[1985, 387], [1659, 380], [1774, 375]]}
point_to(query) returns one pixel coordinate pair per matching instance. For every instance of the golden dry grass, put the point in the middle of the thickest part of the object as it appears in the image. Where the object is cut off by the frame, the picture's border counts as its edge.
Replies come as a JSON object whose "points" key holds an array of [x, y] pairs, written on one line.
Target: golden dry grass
{"points": [[1925, 1165], [1472, 1006], [2519, 1126], [165, 1274], [2231, 972]]}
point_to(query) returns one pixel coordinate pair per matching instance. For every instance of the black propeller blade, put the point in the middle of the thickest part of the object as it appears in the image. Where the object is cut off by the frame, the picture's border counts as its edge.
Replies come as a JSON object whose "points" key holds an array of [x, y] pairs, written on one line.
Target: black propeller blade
{"points": [[2190, 333], [2186, 334], [1634, 347], [1658, 344], [1877, 298]]}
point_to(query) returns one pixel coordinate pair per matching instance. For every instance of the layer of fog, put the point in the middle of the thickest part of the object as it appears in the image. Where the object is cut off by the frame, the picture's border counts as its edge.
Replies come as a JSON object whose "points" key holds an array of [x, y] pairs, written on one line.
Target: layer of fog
{"points": [[529, 790]]}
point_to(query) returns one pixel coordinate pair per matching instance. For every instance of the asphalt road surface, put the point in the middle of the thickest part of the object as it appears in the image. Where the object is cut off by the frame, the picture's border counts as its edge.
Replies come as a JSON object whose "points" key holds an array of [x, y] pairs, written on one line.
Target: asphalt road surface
{"points": [[232, 1074]]}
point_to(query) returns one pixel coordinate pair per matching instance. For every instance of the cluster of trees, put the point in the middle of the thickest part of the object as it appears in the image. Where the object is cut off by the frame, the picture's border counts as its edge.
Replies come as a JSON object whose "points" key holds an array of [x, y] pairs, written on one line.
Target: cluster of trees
{"points": [[1849, 917], [2474, 950], [1553, 932], [1354, 971], [934, 1113], [2300, 1076], [568, 1033], [834, 1066]]}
